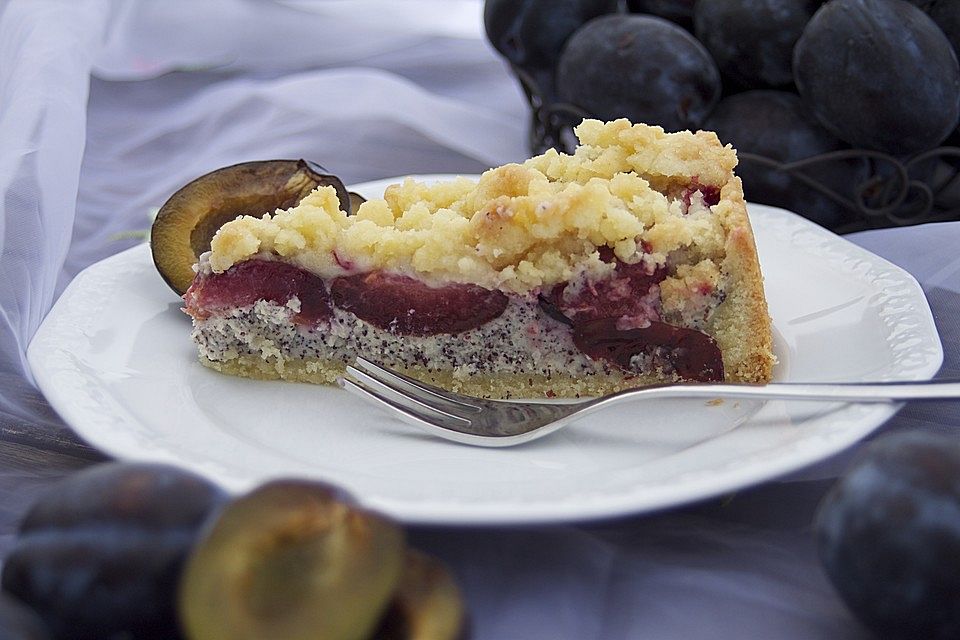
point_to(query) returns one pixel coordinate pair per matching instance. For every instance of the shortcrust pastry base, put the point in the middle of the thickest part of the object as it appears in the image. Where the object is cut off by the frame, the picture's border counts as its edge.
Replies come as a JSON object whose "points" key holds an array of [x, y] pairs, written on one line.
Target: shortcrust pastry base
{"points": [[500, 386]]}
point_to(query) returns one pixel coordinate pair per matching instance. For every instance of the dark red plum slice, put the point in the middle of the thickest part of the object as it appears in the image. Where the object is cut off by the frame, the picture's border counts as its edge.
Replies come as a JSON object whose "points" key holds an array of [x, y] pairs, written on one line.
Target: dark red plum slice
{"points": [[407, 306], [623, 295], [693, 354], [247, 282]]}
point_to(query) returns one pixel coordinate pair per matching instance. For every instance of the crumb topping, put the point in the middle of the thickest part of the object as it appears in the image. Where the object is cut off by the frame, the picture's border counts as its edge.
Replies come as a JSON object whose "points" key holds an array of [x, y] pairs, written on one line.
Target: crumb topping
{"points": [[522, 227]]}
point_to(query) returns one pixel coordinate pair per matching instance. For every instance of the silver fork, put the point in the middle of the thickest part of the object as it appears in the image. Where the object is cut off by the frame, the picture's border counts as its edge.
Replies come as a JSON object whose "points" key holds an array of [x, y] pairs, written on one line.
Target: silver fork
{"points": [[504, 423]]}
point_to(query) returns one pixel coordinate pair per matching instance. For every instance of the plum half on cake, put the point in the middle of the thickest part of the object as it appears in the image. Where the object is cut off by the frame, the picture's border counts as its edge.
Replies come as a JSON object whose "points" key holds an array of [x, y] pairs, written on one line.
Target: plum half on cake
{"points": [[629, 262]]}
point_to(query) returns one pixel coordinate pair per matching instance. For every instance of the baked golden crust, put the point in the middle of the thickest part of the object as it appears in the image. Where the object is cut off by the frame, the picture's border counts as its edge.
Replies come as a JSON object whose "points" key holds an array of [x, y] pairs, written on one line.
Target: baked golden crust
{"points": [[741, 323]]}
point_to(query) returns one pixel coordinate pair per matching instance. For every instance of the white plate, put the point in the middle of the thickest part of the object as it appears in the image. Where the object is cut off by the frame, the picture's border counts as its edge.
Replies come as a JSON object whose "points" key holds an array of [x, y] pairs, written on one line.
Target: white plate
{"points": [[114, 359]]}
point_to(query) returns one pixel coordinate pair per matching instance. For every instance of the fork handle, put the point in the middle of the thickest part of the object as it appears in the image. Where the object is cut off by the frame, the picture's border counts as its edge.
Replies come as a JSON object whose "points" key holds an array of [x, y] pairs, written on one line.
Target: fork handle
{"points": [[834, 392]]}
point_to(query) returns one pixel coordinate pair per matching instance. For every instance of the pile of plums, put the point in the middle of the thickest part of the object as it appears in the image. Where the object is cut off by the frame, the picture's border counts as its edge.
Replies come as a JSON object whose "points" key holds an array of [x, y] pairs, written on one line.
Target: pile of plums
{"points": [[781, 80], [145, 551]]}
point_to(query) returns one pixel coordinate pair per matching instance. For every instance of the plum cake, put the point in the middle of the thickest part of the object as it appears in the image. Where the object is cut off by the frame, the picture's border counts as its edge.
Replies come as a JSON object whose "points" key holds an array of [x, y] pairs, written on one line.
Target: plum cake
{"points": [[629, 262]]}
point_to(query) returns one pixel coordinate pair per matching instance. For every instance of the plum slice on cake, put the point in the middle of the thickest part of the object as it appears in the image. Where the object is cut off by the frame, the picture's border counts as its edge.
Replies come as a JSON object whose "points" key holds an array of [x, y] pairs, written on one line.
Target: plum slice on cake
{"points": [[629, 262]]}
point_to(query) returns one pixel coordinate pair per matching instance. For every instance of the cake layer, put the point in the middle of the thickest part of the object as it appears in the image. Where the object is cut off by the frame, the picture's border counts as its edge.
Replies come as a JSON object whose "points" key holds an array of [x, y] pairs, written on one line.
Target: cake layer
{"points": [[630, 261], [528, 342], [534, 353]]}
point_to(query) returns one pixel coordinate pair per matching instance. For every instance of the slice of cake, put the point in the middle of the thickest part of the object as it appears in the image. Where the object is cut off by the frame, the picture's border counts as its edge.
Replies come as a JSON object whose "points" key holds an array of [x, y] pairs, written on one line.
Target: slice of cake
{"points": [[631, 261]]}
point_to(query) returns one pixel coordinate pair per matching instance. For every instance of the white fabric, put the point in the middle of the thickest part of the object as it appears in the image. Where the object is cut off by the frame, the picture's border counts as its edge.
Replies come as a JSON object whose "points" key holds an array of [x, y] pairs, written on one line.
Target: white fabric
{"points": [[46, 49], [369, 88]]}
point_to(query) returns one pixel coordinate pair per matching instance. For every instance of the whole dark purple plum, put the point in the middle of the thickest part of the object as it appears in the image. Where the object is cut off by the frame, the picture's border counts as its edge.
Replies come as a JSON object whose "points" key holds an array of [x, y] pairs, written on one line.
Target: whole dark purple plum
{"points": [[776, 125], [639, 67], [17, 622], [531, 33], [879, 74], [889, 537], [752, 40], [100, 554]]}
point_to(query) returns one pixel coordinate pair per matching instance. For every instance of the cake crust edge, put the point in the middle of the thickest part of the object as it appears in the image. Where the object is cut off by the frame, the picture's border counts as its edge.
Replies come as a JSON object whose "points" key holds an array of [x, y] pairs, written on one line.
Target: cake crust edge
{"points": [[741, 325]]}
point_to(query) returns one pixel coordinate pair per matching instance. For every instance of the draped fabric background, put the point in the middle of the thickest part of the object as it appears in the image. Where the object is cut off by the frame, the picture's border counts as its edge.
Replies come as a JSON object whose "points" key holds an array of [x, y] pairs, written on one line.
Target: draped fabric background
{"points": [[108, 107]]}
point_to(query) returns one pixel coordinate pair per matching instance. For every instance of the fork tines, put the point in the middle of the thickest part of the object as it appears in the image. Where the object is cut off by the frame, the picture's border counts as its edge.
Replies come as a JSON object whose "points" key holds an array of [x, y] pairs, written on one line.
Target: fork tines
{"points": [[411, 399]]}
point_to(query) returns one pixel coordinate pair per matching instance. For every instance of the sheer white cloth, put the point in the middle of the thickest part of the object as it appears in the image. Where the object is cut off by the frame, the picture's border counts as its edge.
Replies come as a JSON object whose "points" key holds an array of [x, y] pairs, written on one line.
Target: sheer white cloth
{"points": [[107, 107]]}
